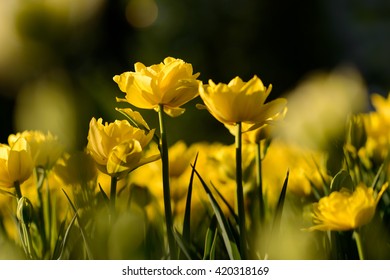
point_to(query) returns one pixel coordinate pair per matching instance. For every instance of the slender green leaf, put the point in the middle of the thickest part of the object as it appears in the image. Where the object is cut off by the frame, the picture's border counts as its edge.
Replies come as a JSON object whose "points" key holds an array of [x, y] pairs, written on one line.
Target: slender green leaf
{"points": [[227, 235], [86, 243], [211, 235], [377, 177], [62, 245], [59, 240], [279, 206], [187, 213], [189, 252], [341, 180], [231, 210]]}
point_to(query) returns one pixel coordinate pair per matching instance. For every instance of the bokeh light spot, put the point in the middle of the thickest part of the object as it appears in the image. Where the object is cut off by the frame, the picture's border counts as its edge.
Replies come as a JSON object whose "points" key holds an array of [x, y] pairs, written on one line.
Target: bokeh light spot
{"points": [[141, 13]]}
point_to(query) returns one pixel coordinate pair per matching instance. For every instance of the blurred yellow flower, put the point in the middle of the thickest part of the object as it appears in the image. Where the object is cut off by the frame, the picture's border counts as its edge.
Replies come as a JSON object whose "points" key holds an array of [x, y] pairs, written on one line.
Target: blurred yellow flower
{"points": [[382, 106], [240, 101], [307, 168], [377, 125], [170, 83], [16, 164], [76, 169], [313, 119], [345, 210], [118, 147], [45, 148]]}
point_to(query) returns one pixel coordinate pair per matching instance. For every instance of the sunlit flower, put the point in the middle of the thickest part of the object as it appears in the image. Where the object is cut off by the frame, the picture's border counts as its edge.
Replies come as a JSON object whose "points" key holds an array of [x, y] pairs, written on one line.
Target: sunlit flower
{"points": [[45, 148], [117, 147], [170, 83], [241, 102], [16, 164], [345, 210]]}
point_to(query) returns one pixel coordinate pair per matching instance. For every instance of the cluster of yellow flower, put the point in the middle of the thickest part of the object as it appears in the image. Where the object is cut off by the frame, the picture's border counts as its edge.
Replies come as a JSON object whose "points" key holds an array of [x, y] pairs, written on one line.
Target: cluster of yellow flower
{"points": [[129, 179]]}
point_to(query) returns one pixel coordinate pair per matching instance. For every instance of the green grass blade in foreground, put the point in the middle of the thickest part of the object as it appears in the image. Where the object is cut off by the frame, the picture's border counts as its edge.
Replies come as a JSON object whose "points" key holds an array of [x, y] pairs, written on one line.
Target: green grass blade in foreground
{"points": [[187, 213], [59, 241], [279, 207], [82, 231], [60, 246], [227, 235], [186, 248], [106, 199], [210, 240], [231, 210], [377, 177]]}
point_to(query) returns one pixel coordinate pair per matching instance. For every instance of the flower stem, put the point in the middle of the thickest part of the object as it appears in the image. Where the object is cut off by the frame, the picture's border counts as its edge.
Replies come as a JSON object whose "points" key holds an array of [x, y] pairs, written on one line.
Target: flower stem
{"points": [[114, 181], [166, 187], [260, 183], [240, 191], [17, 190], [359, 244]]}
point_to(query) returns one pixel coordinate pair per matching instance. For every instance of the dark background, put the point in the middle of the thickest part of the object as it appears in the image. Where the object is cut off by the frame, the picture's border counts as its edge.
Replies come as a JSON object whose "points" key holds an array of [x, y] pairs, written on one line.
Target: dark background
{"points": [[62, 57]]}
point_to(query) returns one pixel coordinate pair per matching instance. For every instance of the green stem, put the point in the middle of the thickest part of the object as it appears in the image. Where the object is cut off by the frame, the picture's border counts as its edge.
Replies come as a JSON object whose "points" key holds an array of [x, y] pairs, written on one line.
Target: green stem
{"points": [[260, 183], [17, 190], [240, 191], [166, 187], [114, 181], [44, 210], [359, 244]]}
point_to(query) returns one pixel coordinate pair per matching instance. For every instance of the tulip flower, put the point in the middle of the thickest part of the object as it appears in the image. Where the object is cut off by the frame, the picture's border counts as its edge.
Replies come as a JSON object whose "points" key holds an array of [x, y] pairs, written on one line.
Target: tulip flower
{"points": [[16, 164], [170, 84], [345, 210]]}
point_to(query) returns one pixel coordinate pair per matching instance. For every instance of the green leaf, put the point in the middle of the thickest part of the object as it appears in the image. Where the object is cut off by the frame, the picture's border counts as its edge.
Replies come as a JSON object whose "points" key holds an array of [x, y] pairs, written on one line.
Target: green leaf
{"points": [[227, 235], [187, 213], [341, 180], [60, 246], [104, 195], [210, 240], [231, 210], [189, 252], [82, 231], [279, 206], [377, 177]]}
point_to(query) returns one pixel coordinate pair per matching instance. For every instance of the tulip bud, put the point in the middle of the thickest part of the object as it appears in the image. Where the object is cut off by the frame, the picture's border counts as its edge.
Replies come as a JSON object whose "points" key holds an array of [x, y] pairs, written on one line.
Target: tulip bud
{"points": [[357, 135]]}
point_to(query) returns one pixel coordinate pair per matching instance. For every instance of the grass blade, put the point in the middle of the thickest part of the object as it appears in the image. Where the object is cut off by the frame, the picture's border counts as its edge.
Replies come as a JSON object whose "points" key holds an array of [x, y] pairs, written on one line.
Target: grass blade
{"points": [[62, 245], [89, 253], [227, 235], [211, 236], [231, 210], [185, 247], [279, 207], [187, 213]]}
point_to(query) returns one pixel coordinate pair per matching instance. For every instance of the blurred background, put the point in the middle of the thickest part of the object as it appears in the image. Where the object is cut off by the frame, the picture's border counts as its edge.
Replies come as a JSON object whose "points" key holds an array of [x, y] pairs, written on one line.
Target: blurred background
{"points": [[58, 57]]}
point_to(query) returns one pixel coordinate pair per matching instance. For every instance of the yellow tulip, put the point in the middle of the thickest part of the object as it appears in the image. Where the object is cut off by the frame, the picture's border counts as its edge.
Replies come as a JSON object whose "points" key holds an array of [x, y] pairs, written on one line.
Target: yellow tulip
{"points": [[16, 164], [345, 210], [45, 148], [170, 83], [117, 147], [241, 102]]}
